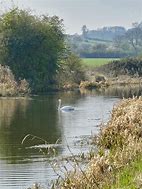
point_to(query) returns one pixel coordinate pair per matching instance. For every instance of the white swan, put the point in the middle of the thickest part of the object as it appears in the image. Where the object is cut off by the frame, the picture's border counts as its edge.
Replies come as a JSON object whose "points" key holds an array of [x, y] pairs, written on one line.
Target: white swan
{"points": [[64, 108]]}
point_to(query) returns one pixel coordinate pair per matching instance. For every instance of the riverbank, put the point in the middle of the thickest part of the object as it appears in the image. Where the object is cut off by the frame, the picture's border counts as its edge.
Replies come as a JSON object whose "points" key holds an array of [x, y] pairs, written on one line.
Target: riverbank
{"points": [[119, 148], [118, 72], [9, 87]]}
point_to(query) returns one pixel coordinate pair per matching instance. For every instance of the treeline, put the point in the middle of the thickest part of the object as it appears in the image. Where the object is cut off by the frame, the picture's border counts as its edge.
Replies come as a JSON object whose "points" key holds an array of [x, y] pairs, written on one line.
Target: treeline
{"points": [[107, 54], [131, 40], [34, 49], [108, 42], [105, 33]]}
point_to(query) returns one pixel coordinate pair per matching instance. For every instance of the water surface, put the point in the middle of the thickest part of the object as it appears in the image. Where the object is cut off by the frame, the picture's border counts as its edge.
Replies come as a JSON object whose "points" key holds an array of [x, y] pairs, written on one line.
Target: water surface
{"points": [[22, 165]]}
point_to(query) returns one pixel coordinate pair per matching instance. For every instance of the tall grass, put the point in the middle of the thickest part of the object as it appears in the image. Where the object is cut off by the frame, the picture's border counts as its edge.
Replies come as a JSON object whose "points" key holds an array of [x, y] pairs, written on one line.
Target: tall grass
{"points": [[9, 86], [119, 145], [128, 177]]}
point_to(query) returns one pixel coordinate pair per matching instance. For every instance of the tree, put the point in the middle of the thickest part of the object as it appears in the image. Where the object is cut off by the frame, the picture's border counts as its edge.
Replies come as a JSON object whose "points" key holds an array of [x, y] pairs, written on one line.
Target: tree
{"points": [[100, 48], [131, 41], [134, 37], [71, 70], [84, 31], [32, 46]]}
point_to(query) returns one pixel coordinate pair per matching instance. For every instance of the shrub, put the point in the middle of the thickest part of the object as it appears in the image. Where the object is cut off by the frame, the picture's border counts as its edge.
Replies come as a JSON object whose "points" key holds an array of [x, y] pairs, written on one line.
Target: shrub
{"points": [[31, 46], [128, 66], [71, 71]]}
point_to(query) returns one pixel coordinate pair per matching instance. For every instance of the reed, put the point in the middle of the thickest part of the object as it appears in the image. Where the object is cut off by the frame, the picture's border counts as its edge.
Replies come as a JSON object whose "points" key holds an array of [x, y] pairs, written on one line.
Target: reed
{"points": [[119, 145]]}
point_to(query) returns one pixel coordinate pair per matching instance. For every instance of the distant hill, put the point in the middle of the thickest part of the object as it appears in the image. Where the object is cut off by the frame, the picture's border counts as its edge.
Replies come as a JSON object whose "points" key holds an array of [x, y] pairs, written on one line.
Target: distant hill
{"points": [[107, 42], [105, 33], [96, 43]]}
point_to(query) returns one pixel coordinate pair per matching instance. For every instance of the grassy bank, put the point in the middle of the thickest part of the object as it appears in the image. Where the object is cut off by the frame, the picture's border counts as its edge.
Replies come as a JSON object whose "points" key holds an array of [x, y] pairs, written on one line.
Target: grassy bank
{"points": [[129, 177], [119, 151], [118, 72], [95, 62]]}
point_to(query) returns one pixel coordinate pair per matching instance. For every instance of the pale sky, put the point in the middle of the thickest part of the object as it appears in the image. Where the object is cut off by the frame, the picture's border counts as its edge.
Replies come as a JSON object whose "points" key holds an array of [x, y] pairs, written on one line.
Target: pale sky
{"points": [[93, 13]]}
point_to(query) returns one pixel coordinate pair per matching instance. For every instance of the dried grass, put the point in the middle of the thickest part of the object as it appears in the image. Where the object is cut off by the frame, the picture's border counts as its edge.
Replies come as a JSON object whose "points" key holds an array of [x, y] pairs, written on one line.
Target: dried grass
{"points": [[120, 143], [125, 123], [9, 86]]}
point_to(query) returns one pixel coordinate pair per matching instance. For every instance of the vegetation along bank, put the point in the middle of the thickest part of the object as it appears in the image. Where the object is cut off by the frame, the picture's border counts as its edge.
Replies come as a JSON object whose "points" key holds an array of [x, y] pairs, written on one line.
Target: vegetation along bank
{"points": [[118, 162], [34, 49], [117, 72], [34, 57]]}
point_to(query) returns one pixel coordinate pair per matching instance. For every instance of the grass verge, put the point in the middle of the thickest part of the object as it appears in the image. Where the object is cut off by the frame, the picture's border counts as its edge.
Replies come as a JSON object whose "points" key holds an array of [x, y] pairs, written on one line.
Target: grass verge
{"points": [[129, 177]]}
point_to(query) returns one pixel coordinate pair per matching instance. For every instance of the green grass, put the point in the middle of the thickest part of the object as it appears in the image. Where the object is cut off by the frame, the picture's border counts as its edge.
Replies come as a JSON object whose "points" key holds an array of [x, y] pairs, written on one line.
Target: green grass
{"points": [[130, 177], [95, 62]]}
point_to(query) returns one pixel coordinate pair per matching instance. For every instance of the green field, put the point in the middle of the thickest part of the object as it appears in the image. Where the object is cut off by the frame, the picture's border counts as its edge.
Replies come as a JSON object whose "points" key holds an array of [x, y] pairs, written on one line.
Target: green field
{"points": [[95, 62]]}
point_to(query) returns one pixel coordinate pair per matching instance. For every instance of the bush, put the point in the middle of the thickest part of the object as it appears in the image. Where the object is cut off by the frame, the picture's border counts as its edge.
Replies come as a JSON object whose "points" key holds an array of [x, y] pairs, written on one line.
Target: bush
{"points": [[71, 71], [31, 46], [89, 85], [128, 66]]}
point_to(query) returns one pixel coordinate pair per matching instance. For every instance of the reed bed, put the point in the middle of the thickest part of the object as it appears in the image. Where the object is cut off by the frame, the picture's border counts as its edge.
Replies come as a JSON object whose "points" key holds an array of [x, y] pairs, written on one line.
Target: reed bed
{"points": [[119, 145]]}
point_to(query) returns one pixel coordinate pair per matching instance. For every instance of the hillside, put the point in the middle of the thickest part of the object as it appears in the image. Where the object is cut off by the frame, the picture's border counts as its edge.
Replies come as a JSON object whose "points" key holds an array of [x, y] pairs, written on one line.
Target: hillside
{"points": [[105, 33], [93, 48], [107, 42], [97, 43]]}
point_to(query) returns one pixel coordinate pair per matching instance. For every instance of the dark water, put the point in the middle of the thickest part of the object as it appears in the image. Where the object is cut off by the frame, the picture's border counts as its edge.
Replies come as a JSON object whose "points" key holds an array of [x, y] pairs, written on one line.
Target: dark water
{"points": [[22, 165]]}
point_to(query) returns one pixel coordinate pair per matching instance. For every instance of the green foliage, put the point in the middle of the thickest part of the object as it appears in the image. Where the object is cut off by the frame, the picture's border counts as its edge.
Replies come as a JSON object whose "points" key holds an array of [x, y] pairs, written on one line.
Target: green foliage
{"points": [[32, 46], [129, 177], [127, 66], [71, 71]]}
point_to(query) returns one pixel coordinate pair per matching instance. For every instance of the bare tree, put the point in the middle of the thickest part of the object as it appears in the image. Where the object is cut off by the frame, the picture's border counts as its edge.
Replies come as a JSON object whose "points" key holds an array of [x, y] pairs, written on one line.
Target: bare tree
{"points": [[134, 37]]}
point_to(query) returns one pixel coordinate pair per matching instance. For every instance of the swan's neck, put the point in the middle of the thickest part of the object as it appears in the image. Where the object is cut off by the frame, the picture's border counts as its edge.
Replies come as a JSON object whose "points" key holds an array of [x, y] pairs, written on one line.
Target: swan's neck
{"points": [[59, 106]]}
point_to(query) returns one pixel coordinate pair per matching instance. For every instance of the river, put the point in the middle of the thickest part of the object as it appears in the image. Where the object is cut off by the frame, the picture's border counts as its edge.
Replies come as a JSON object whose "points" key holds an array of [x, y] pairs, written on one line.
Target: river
{"points": [[21, 165]]}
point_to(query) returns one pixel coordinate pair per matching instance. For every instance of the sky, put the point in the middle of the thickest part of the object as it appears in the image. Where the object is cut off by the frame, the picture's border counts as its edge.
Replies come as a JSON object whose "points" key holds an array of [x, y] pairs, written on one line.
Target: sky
{"points": [[92, 13]]}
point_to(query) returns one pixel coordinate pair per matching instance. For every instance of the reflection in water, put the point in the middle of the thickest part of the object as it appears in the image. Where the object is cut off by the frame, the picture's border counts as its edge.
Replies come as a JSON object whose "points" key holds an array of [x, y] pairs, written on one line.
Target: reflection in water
{"points": [[126, 91], [8, 108], [22, 116], [121, 91], [21, 166]]}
